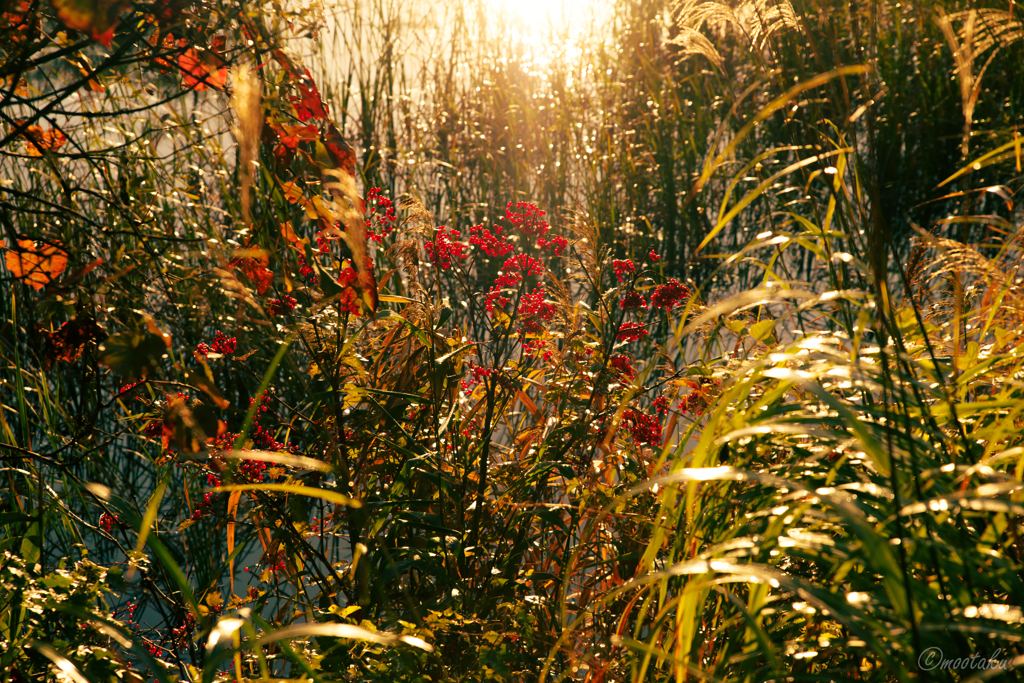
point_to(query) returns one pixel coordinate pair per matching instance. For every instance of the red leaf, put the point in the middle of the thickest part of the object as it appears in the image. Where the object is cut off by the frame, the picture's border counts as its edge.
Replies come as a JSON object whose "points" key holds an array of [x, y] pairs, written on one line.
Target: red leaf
{"points": [[341, 152], [309, 105]]}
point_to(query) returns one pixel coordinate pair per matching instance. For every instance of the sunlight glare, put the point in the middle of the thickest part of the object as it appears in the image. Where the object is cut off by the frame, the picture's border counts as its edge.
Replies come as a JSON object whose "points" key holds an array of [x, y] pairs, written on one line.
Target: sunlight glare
{"points": [[546, 32], [546, 18]]}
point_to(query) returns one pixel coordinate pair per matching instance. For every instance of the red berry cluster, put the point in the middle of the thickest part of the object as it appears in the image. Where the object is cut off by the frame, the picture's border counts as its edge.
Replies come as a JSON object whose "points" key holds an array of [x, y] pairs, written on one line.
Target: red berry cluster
{"points": [[154, 429], [279, 564], [445, 247], [251, 471], [632, 331], [622, 268], [107, 521], [203, 507], [382, 219], [661, 405], [261, 400], [128, 613], [512, 273], [264, 440], [493, 244], [182, 634], [634, 301], [469, 427], [557, 244], [670, 294], [520, 266], [538, 347], [529, 219], [221, 344], [623, 365], [286, 304], [306, 271], [477, 373], [645, 429], [496, 299], [323, 242], [534, 311], [128, 387]]}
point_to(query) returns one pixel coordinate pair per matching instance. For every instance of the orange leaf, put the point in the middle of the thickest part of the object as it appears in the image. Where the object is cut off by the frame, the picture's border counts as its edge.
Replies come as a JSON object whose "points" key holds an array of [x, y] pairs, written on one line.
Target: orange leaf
{"points": [[39, 141], [202, 71], [232, 513], [20, 25], [36, 263], [288, 232]]}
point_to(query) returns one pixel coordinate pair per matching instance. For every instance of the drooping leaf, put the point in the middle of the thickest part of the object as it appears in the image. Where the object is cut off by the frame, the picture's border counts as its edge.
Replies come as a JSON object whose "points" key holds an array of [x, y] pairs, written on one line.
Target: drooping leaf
{"points": [[342, 154], [133, 355], [204, 381], [36, 263], [183, 430]]}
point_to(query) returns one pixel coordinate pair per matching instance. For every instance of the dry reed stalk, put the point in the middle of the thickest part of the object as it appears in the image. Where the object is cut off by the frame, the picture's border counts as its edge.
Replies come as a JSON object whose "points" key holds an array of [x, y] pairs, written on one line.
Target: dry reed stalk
{"points": [[245, 101]]}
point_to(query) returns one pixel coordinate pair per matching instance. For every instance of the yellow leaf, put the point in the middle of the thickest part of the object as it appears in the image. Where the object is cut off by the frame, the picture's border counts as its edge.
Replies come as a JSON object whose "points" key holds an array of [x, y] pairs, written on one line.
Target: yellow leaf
{"points": [[318, 208], [761, 330], [293, 193]]}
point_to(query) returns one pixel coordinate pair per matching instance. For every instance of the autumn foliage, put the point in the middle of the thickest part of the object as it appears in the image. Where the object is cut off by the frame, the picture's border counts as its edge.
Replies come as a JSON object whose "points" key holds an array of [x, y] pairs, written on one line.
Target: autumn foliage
{"points": [[263, 418]]}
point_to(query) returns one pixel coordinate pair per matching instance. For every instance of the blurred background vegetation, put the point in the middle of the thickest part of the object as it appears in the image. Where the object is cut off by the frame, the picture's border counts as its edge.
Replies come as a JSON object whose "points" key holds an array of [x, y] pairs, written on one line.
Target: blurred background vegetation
{"points": [[749, 411]]}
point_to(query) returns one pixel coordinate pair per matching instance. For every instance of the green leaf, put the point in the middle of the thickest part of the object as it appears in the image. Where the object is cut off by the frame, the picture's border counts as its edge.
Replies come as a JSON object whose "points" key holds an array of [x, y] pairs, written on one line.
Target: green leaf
{"points": [[151, 512]]}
